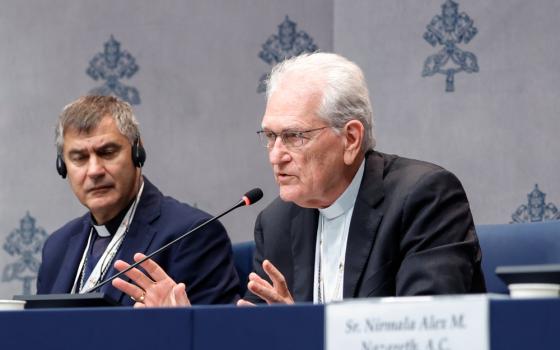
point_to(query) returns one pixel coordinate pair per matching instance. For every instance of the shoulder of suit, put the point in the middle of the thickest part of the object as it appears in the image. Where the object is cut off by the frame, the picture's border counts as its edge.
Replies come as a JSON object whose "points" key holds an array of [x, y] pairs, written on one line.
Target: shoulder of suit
{"points": [[70, 228], [396, 163], [169, 208], [172, 204]]}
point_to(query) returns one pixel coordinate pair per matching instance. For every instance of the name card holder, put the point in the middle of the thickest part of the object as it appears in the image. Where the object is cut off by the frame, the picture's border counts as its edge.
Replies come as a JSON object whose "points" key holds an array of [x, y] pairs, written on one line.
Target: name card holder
{"points": [[409, 323]]}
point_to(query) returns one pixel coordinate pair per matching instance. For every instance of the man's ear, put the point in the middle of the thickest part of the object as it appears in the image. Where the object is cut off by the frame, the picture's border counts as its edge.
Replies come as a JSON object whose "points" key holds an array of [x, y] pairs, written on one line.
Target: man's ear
{"points": [[353, 133]]}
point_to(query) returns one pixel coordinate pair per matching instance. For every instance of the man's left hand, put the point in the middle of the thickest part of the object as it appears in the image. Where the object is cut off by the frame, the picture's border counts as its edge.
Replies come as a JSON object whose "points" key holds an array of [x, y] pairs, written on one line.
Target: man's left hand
{"points": [[155, 290]]}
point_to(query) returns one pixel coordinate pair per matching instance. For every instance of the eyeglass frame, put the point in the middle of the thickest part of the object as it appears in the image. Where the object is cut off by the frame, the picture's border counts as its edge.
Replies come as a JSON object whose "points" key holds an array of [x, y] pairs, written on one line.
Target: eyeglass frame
{"points": [[298, 134]]}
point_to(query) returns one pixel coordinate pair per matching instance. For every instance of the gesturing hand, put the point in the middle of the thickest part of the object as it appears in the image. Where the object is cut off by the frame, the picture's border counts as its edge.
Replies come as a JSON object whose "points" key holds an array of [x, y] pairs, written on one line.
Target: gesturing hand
{"points": [[277, 293], [157, 290]]}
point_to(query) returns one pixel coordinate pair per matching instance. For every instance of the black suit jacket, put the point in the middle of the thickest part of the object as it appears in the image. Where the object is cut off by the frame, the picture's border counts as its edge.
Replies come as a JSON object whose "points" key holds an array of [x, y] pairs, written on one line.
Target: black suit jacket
{"points": [[202, 260], [411, 233]]}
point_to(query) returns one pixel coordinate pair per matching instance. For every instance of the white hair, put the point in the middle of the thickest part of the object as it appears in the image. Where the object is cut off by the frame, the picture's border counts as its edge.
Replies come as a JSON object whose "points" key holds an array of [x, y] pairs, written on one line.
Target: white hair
{"points": [[345, 95]]}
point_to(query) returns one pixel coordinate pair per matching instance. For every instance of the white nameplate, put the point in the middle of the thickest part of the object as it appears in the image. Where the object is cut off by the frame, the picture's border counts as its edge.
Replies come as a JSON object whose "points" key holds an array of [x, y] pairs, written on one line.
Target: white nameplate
{"points": [[409, 323]]}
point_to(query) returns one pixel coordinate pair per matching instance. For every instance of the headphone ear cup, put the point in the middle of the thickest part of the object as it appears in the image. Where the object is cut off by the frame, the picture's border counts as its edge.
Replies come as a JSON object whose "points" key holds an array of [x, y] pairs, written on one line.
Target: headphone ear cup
{"points": [[138, 154], [61, 166]]}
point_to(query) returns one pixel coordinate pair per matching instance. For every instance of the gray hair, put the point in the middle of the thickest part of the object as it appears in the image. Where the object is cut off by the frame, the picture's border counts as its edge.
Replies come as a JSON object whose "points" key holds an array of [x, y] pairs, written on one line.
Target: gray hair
{"points": [[345, 95], [84, 115]]}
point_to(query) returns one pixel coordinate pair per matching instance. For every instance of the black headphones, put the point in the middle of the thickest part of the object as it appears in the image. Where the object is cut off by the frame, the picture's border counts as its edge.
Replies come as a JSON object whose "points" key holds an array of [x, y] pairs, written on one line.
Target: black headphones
{"points": [[138, 158]]}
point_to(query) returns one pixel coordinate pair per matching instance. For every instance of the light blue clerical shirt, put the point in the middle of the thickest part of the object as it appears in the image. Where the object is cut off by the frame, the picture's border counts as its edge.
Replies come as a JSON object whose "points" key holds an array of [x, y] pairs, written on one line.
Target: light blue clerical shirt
{"points": [[332, 235]]}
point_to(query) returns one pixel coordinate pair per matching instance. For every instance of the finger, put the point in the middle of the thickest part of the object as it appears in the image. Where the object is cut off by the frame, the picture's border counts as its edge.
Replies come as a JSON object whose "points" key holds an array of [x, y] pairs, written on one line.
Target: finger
{"points": [[258, 279], [260, 285], [180, 295], [134, 274], [152, 268], [121, 265], [128, 288], [138, 305], [278, 280], [243, 302], [267, 294]]}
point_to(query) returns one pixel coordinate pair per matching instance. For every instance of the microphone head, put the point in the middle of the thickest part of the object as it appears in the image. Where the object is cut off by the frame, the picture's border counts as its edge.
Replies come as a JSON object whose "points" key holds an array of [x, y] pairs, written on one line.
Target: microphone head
{"points": [[252, 196]]}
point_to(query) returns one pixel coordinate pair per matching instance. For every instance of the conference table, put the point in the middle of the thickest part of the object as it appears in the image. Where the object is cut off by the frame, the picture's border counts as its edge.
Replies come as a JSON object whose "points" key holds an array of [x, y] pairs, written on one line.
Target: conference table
{"points": [[511, 323]]}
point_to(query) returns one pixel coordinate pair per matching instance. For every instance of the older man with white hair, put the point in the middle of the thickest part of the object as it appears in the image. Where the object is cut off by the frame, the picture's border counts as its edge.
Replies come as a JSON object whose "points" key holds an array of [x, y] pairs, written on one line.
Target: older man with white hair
{"points": [[350, 222]]}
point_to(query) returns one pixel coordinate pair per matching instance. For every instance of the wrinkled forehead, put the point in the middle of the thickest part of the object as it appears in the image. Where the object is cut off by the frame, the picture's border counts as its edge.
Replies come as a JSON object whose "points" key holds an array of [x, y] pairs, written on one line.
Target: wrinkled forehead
{"points": [[292, 107], [106, 129], [87, 124]]}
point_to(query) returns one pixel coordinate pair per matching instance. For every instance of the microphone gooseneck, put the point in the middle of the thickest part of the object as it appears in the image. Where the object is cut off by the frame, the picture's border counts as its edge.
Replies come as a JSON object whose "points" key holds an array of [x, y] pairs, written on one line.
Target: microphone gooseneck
{"points": [[249, 198]]}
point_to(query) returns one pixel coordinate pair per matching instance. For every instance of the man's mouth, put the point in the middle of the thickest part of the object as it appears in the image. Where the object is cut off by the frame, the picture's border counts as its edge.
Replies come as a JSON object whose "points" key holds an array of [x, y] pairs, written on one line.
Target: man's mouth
{"points": [[282, 177], [99, 188]]}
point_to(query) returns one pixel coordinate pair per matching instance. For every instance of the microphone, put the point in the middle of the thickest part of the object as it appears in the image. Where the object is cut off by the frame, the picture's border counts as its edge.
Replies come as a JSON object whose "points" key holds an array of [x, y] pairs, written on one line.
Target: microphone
{"points": [[248, 198]]}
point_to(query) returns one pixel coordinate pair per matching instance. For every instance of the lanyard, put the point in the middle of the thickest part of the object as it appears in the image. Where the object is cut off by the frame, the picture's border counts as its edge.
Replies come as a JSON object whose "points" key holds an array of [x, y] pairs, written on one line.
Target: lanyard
{"points": [[109, 254]]}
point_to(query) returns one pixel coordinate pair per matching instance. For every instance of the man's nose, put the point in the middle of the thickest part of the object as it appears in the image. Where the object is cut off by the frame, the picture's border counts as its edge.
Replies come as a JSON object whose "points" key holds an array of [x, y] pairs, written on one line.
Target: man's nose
{"points": [[96, 167], [278, 153]]}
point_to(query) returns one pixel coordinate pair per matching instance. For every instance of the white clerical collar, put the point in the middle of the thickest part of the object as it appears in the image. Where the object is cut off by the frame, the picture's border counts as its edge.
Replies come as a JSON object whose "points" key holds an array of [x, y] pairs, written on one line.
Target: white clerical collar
{"points": [[347, 199], [105, 261], [102, 230]]}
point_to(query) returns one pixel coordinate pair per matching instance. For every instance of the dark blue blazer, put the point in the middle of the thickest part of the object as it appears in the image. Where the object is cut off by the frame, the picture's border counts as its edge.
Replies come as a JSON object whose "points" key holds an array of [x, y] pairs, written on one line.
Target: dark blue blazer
{"points": [[203, 260]]}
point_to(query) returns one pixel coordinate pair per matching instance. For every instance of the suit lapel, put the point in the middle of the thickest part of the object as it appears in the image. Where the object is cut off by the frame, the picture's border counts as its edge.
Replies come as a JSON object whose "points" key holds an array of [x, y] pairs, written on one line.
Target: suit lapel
{"points": [[364, 224], [304, 235], [74, 251]]}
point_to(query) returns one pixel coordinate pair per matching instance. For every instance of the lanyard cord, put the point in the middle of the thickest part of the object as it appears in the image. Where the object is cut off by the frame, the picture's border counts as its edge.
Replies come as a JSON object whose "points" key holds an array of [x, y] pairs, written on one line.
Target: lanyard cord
{"points": [[102, 266]]}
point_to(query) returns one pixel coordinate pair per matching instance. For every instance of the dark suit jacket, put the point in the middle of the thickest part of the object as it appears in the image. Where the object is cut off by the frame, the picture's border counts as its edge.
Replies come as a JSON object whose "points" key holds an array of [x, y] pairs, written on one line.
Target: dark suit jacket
{"points": [[203, 260], [411, 233]]}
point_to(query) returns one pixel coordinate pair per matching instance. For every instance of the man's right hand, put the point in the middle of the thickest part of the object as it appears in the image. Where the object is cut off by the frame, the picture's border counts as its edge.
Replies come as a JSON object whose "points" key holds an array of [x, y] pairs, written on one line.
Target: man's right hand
{"points": [[277, 293]]}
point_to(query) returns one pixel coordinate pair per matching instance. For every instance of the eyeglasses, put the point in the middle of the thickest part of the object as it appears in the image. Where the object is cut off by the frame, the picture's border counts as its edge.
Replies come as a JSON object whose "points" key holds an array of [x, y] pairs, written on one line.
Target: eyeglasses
{"points": [[290, 138]]}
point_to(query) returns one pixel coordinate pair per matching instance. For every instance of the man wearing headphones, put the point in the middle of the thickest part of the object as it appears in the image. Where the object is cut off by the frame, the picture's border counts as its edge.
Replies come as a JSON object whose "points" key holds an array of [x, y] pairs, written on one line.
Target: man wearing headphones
{"points": [[100, 150]]}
